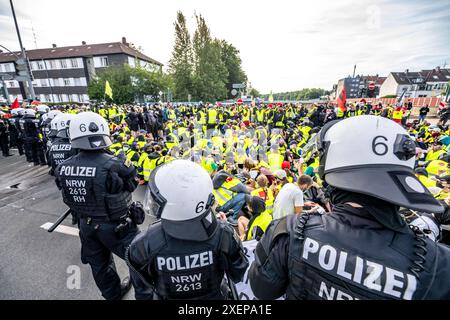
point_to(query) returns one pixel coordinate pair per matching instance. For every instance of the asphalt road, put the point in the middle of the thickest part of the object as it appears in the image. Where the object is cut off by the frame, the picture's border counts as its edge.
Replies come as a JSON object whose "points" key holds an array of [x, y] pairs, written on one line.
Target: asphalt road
{"points": [[36, 264]]}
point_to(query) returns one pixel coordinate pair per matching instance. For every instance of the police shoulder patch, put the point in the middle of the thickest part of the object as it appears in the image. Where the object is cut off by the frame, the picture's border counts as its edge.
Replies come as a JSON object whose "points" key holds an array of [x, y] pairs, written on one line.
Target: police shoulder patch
{"points": [[127, 163]]}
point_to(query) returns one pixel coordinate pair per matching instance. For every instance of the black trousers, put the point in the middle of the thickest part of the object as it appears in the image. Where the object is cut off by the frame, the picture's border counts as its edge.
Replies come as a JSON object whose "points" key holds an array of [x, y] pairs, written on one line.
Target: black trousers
{"points": [[34, 151], [16, 141], [98, 243], [4, 144]]}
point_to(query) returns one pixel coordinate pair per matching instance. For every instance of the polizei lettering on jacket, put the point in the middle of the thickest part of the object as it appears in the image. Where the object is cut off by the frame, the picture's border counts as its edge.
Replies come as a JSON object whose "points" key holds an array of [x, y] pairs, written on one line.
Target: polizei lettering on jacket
{"points": [[360, 271], [185, 262], [61, 147], [75, 171]]}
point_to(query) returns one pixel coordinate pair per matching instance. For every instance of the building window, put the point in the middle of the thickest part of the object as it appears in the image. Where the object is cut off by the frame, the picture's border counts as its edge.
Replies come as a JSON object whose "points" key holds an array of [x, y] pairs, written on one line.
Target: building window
{"points": [[40, 65], [44, 82], [67, 82], [74, 63], [9, 67], [104, 61], [100, 62], [51, 64], [48, 98], [63, 63]]}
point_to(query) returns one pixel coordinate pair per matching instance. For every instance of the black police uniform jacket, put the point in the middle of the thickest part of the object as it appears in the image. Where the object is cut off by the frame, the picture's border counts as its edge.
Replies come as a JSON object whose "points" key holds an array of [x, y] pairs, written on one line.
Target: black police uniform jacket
{"points": [[96, 184], [59, 151], [14, 129], [347, 255], [30, 128], [163, 267]]}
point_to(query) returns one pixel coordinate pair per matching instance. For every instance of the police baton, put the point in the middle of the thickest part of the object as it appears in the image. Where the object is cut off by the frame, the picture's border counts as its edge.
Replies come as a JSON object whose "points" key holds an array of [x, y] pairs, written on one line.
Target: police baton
{"points": [[58, 222], [234, 293]]}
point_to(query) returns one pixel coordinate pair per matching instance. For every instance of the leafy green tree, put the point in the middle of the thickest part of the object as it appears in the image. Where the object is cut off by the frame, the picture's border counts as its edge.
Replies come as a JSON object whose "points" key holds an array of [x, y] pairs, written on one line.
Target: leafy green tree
{"points": [[210, 74], [233, 63], [181, 64], [254, 93], [129, 84], [119, 79]]}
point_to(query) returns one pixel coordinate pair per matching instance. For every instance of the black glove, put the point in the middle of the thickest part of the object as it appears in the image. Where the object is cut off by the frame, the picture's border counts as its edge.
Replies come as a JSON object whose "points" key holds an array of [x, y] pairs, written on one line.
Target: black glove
{"points": [[444, 217]]}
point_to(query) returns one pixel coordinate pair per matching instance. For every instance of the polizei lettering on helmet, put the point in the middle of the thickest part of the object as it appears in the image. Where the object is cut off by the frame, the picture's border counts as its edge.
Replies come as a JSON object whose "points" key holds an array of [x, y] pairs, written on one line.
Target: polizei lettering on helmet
{"points": [[75, 171], [359, 271], [185, 262]]}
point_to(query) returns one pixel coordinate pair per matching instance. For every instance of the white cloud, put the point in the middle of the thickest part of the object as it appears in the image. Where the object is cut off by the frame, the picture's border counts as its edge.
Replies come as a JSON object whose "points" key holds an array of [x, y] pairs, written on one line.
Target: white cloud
{"points": [[285, 45]]}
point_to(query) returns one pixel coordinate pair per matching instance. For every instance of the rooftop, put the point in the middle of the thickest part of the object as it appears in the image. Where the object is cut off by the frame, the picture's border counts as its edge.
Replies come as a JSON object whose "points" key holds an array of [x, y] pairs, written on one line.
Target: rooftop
{"points": [[84, 50]]}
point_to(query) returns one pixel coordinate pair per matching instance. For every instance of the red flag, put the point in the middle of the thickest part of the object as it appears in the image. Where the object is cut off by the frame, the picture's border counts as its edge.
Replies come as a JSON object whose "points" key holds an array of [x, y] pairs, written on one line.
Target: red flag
{"points": [[15, 104], [342, 99]]}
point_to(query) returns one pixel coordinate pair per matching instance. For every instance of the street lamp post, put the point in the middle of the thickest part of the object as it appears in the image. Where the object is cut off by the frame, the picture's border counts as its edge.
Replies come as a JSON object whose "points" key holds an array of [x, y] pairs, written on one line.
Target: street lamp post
{"points": [[24, 55]]}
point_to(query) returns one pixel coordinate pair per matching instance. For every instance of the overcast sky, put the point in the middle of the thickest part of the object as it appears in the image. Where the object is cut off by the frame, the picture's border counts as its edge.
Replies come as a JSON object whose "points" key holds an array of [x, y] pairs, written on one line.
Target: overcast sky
{"points": [[284, 44]]}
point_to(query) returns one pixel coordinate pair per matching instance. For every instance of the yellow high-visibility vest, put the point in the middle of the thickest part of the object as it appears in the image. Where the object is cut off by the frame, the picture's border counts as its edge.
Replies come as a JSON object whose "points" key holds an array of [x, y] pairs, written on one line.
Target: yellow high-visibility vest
{"points": [[275, 161], [261, 222], [212, 116], [267, 195], [223, 194], [432, 155]]}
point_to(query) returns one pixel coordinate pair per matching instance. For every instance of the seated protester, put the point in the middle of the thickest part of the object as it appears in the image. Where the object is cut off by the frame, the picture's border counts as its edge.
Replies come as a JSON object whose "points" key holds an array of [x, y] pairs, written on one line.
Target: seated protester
{"points": [[444, 183], [255, 207], [229, 193], [286, 166], [290, 199]]}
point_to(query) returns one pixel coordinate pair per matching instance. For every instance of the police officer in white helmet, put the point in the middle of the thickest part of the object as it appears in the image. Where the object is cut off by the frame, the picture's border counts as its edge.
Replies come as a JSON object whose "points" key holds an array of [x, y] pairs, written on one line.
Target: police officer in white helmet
{"points": [[16, 135], [97, 187], [60, 149], [186, 253], [363, 249], [33, 144]]}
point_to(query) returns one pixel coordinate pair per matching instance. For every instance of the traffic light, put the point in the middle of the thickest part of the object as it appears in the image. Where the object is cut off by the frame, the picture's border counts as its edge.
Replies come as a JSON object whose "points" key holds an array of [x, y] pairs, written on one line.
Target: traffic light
{"points": [[23, 70]]}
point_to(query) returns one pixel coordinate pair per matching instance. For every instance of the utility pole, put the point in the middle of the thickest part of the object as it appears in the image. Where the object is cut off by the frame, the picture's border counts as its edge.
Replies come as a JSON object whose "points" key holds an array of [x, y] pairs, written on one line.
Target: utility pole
{"points": [[24, 55]]}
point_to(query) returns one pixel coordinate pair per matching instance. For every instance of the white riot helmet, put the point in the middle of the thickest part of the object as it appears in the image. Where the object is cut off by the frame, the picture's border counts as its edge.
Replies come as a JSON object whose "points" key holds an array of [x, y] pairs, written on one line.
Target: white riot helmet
{"points": [[17, 111], [52, 114], [60, 124], [89, 131], [42, 108], [29, 113], [180, 194], [374, 156]]}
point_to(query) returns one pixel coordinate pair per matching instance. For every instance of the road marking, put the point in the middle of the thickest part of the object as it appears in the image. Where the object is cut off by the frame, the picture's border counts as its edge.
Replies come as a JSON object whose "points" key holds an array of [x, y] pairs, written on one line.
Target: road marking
{"points": [[61, 229]]}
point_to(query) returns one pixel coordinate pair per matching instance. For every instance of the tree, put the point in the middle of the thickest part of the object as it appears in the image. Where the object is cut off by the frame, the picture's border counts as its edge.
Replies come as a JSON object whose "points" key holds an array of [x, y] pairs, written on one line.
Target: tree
{"points": [[232, 61], [254, 93], [119, 79], [181, 64], [210, 73], [129, 84]]}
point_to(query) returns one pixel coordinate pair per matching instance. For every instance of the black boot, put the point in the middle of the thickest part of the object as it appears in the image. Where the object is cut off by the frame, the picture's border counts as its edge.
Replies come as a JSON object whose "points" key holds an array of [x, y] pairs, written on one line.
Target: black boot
{"points": [[125, 286]]}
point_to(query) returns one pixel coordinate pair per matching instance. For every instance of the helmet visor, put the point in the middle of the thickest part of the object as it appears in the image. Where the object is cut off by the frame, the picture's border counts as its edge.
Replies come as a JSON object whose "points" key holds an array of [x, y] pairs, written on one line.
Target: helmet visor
{"points": [[154, 202]]}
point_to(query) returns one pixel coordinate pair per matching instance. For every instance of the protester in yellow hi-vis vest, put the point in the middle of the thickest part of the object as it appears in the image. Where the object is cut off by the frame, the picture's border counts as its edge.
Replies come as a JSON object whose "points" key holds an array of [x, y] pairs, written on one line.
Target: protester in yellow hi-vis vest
{"points": [[275, 158], [435, 152], [229, 193], [422, 175], [444, 193], [437, 168], [255, 207], [264, 192]]}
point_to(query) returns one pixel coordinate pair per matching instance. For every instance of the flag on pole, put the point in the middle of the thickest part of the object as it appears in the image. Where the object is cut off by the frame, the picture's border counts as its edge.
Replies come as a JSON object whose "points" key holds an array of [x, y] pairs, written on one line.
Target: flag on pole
{"points": [[15, 104], [108, 90], [270, 96], [341, 100]]}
